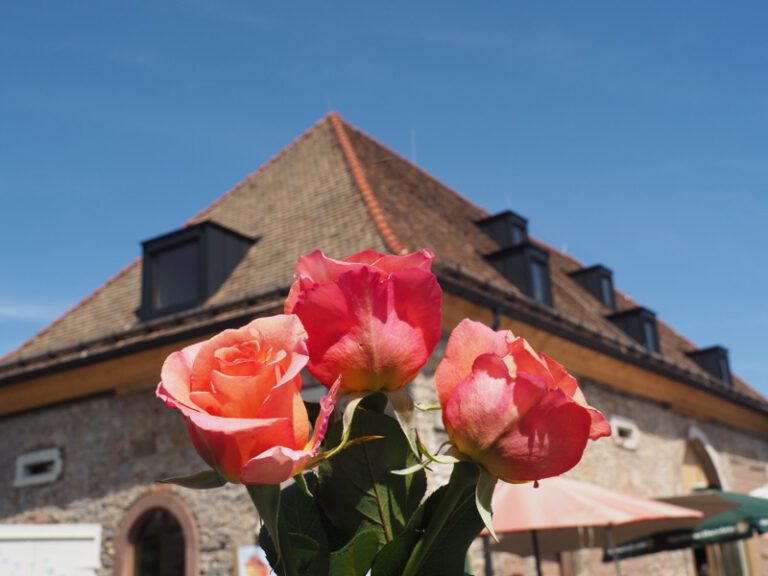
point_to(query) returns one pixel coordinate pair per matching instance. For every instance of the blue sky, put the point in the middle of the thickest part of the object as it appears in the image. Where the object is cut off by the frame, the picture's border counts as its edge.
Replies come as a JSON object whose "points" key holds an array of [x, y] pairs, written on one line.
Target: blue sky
{"points": [[631, 134]]}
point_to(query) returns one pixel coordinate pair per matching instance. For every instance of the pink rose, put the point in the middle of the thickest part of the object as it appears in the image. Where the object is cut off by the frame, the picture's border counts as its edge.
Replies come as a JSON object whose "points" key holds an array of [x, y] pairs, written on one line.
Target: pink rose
{"points": [[373, 319], [239, 393], [516, 412]]}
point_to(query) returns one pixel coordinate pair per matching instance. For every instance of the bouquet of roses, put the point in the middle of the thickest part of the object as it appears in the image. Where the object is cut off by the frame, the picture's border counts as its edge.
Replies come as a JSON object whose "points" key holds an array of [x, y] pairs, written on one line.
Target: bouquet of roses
{"points": [[364, 327]]}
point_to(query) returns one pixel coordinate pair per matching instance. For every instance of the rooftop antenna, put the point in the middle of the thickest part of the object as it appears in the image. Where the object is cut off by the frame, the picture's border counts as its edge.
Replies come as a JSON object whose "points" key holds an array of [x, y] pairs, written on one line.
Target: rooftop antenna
{"points": [[413, 145]]}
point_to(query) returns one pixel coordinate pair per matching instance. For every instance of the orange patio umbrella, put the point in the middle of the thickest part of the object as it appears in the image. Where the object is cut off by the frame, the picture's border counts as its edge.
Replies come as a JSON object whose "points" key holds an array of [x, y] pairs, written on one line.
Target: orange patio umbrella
{"points": [[564, 514]]}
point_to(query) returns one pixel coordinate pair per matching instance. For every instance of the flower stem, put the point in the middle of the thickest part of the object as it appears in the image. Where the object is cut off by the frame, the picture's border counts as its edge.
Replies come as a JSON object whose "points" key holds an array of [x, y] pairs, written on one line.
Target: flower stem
{"points": [[461, 487], [266, 498]]}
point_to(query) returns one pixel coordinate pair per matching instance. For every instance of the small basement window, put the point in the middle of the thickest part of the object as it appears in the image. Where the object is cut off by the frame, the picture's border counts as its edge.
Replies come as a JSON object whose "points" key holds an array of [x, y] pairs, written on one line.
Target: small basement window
{"points": [[183, 269], [38, 467], [625, 432]]}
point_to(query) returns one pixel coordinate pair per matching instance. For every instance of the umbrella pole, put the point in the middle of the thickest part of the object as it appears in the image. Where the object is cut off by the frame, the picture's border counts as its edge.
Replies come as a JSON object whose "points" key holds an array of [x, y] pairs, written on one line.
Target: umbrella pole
{"points": [[487, 556], [536, 554], [612, 545]]}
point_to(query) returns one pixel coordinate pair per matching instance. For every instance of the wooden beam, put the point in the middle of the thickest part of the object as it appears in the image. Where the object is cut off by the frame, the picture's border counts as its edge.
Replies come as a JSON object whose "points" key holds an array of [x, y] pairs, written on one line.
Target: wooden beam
{"points": [[122, 374]]}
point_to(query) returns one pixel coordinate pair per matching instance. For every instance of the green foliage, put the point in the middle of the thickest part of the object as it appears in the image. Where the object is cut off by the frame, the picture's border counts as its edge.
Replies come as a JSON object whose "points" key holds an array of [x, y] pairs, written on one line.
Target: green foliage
{"points": [[300, 516], [355, 558], [483, 496], [356, 487], [356, 516]]}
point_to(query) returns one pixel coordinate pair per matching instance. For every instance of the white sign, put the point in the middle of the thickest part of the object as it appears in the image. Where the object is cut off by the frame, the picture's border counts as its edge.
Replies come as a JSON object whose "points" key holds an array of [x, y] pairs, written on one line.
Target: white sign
{"points": [[50, 549]]}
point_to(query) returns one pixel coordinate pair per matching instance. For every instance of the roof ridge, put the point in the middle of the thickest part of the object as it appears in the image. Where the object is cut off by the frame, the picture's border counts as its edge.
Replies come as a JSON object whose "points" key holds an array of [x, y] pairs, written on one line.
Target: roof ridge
{"points": [[422, 171], [258, 171], [122, 272], [358, 174]]}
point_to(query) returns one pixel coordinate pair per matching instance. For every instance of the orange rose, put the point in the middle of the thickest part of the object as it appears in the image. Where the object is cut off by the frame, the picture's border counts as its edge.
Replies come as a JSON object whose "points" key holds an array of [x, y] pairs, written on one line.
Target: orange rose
{"points": [[239, 393]]}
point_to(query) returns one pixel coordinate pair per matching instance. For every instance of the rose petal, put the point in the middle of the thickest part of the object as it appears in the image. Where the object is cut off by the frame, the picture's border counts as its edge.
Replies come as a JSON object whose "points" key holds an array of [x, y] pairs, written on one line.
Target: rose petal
{"points": [[274, 466], [226, 443], [285, 401], [548, 441], [421, 260], [174, 376], [356, 331], [327, 404], [468, 340], [560, 376], [486, 404]]}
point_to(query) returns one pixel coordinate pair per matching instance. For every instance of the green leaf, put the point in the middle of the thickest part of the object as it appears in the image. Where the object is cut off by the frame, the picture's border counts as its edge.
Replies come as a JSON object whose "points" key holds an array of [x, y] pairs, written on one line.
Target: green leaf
{"points": [[449, 523], [483, 496], [356, 557], [391, 559], [204, 480], [402, 404], [448, 554], [353, 401], [302, 484], [304, 553], [411, 469], [357, 486], [300, 514], [266, 498]]}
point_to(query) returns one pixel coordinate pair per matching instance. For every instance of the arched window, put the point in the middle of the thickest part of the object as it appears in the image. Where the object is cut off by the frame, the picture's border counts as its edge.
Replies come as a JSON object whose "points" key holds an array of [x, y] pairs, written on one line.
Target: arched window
{"points": [[157, 537], [158, 544]]}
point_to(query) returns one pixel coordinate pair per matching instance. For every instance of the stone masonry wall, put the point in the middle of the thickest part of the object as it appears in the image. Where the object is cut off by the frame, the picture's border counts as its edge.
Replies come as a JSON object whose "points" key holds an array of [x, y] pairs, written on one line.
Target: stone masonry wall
{"points": [[113, 448]]}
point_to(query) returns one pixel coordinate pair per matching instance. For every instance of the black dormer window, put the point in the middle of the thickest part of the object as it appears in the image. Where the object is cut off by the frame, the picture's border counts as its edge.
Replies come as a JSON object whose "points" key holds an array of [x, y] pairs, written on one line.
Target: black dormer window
{"points": [[715, 361], [598, 281], [527, 267], [505, 228], [183, 269], [175, 274], [640, 324]]}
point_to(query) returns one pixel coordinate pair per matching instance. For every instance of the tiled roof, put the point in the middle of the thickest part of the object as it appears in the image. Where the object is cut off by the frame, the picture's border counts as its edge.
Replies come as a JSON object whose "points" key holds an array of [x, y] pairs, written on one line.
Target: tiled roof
{"points": [[337, 189]]}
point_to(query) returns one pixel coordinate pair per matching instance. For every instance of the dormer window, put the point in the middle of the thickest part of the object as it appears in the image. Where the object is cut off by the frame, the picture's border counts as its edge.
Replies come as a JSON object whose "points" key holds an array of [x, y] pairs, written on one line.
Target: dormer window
{"points": [[527, 267], [640, 324], [598, 281], [183, 269], [176, 274], [505, 228], [715, 361]]}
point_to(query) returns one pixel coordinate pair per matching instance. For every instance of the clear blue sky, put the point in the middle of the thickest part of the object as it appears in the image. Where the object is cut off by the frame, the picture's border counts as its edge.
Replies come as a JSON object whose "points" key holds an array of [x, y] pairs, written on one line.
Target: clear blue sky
{"points": [[629, 133]]}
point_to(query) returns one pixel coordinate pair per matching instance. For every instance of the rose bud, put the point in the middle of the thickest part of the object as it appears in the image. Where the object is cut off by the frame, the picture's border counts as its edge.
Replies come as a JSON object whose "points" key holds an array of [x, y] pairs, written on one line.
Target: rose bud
{"points": [[373, 319], [514, 411]]}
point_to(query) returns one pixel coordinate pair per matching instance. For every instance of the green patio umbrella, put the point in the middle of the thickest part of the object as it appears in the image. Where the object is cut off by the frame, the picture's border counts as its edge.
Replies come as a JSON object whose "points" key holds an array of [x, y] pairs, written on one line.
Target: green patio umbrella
{"points": [[748, 515]]}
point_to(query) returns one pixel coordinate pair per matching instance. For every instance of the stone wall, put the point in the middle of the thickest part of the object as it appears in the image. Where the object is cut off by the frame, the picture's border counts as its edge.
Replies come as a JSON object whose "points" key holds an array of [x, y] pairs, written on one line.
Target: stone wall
{"points": [[114, 447]]}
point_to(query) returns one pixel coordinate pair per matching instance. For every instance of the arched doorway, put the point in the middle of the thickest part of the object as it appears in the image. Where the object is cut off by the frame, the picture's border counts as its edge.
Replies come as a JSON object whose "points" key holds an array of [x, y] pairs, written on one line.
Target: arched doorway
{"points": [[700, 469], [157, 537]]}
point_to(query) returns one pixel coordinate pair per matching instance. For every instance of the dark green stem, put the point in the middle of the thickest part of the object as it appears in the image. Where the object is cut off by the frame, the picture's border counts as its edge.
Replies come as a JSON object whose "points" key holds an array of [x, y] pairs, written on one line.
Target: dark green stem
{"points": [[460, 488], [266, 498]]}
